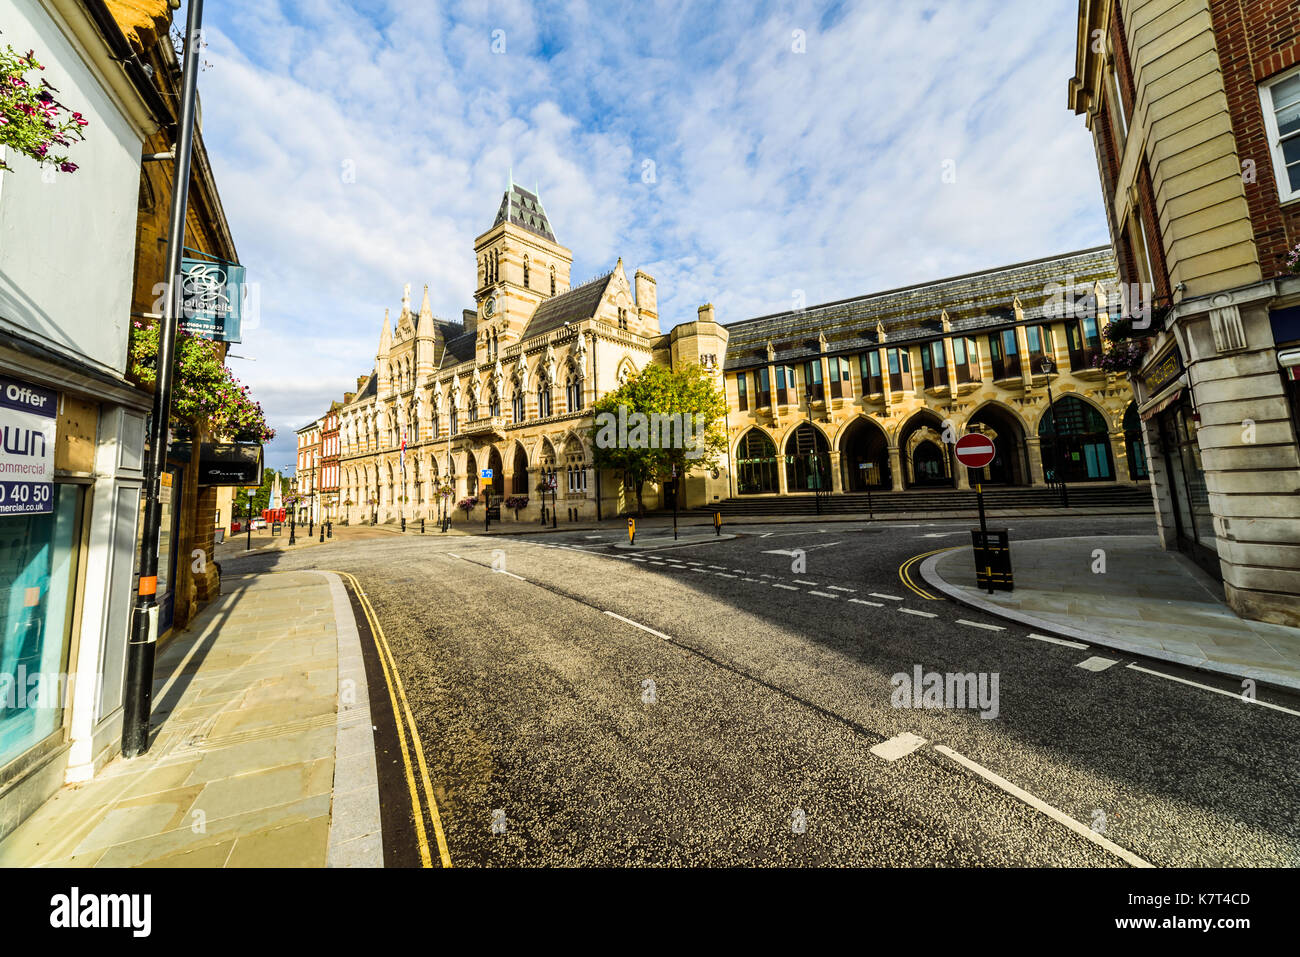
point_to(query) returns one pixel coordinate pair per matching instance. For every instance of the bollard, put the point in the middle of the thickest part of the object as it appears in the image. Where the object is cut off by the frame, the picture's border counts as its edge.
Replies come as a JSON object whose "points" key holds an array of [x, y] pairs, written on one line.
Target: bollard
{"points": [[329, 529], [403, 523], [421, 526], [322, 531]]}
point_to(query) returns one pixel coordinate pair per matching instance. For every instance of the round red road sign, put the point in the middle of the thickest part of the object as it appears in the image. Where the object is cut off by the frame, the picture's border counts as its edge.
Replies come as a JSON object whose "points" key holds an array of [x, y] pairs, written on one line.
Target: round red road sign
{"points": [[975, 451]]}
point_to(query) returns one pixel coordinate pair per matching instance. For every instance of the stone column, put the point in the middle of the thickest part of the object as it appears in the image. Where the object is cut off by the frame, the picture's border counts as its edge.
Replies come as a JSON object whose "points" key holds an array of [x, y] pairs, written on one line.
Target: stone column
{"points": [[1119, 452], [884, 376], [837, 479], [896, 468], [782, 483], [1035, 454]]}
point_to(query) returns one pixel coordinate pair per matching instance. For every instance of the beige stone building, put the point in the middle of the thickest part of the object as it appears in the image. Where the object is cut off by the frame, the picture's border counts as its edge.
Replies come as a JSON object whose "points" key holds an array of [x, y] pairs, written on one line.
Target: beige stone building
{"points": [[871, 392], [507, 389], [1194, 106]]}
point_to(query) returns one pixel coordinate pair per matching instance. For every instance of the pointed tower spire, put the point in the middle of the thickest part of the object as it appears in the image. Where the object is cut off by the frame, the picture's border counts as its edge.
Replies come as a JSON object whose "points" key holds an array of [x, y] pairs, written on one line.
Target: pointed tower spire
{"points": [[425, 309], [406, 299]]}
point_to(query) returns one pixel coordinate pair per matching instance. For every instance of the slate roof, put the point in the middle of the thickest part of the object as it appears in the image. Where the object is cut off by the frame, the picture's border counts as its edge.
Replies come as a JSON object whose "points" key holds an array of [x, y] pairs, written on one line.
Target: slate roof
{"points": [[524, 209], [974, 302], [573, 305]]}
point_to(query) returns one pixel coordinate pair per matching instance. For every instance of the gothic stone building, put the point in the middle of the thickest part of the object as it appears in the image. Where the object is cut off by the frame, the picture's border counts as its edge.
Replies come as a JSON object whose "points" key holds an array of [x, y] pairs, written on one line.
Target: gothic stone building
{"points": [[508, 388], [865, 392]]}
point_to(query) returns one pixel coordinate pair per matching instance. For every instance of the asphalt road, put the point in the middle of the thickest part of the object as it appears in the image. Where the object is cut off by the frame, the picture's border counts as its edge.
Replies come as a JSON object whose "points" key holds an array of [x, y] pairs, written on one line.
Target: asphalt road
{"points": [[528, 662]]}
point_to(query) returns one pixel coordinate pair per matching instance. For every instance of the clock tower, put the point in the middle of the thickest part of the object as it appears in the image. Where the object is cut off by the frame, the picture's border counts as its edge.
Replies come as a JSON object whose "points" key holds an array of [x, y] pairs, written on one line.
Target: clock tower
{"points": [[520, 265]]}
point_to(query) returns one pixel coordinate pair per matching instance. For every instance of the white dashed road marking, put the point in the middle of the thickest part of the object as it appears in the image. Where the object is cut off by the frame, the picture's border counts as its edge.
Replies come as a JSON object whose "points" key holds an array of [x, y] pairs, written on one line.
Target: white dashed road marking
{"points": [[1040, 805], [1060, 641], [876, 594], [637, 624], [800, 581], [899, 746], [920, 614], [502, 571], [786, 587], [980, 624], [863, 601], [838, 588], [1097, 663], [823, 594]]}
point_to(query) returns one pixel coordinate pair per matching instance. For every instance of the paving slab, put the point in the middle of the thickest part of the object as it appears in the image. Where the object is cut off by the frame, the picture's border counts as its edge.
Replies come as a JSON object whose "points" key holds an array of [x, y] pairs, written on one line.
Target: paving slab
{"points": [[1147, 601], [244, 768]]}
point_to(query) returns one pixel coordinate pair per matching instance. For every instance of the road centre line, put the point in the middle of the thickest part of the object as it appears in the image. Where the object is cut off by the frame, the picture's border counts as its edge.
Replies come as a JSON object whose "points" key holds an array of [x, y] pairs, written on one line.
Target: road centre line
{"points": [[863, 601], [786, 587], [823, 594], [838, 588], [920, 614], [876, 594], [1040, 805]]}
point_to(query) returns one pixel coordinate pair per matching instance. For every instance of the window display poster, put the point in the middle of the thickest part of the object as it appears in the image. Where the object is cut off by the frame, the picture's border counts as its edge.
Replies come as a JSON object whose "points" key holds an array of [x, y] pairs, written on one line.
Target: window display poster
{"points": [[27, 429]]}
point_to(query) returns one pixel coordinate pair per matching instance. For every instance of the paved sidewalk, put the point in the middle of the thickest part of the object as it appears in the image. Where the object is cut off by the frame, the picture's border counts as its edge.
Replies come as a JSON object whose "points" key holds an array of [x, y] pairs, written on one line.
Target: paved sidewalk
{"points": [[1148, 602], [262, 755]]}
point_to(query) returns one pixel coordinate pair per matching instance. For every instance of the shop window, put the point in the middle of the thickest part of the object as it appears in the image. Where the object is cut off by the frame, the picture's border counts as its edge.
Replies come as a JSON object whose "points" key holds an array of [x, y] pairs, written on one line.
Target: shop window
{"points": [[841, 378], [38, 559], [812, 381], [900, 370]]}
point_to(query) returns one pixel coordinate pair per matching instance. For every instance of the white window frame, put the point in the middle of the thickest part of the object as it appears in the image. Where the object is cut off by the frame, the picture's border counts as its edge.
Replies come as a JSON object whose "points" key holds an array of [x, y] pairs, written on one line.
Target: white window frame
{"points": [[1285, 192]]}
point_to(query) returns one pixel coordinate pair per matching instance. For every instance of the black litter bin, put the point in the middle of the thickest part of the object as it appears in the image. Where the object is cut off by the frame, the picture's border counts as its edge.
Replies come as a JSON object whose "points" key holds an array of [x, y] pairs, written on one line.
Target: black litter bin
{"points": [[992, 559]]}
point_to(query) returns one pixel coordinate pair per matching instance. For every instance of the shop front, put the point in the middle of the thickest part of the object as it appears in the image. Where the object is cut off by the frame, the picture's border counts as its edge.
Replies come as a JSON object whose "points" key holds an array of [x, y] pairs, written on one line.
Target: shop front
{"points": [[1172, 423]]}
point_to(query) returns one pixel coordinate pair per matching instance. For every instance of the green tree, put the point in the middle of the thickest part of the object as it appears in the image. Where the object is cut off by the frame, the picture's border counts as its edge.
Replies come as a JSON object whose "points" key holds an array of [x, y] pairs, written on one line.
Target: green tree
{"points": [[659, 423]]}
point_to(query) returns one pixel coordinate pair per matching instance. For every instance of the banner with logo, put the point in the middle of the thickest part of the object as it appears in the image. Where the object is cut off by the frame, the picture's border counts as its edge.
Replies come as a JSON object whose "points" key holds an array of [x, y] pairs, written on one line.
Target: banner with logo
{"points": [[27, 429], [212, 293]]}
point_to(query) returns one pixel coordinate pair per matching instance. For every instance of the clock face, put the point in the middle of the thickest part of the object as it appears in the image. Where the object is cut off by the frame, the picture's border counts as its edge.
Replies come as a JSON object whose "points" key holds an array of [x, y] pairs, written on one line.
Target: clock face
{"points": [[490, 307]]}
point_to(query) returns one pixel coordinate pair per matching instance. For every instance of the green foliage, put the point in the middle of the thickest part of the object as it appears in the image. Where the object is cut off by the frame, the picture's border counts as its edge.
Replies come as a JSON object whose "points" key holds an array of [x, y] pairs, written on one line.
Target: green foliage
{"points": [[261, 498], [32, 121], [204, 390], [685, 392]]}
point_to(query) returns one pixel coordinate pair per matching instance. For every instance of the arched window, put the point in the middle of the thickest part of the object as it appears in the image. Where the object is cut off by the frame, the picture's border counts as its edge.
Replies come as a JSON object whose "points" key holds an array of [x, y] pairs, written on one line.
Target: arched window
{"points": [[434, 424], [756, 464], [807, 461], [573, 394], [473, 407], [494, 404], [525, 271], [454, 425], [1075, 443], [552, 280], [543, 400], [517, 402]]}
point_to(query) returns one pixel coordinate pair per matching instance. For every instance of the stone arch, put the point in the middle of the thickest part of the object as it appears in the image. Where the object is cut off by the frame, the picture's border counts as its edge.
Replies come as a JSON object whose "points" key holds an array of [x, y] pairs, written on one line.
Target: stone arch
{"points": [[756, 461], [519, 484], [626, 369], [925, 457], [1075, 441], [806, 451], [863, 445], [1009, 432]]}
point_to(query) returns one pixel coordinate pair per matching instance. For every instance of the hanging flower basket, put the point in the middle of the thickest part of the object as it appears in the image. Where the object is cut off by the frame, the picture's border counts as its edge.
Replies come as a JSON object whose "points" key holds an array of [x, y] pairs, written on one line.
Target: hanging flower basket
{"points": [[1293, 261], [1125, 357], [1117, 330], [515, 503], [467, 504]]}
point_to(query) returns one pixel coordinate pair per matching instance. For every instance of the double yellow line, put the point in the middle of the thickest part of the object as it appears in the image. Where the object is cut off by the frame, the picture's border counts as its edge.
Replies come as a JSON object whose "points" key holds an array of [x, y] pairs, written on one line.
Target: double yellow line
{"points": [[905, 573], [395, 693]]}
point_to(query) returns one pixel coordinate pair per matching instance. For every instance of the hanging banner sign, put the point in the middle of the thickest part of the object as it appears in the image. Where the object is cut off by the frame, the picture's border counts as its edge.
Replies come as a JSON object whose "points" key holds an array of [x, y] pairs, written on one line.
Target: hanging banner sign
{"points": [[27, 428], [212, 293]]}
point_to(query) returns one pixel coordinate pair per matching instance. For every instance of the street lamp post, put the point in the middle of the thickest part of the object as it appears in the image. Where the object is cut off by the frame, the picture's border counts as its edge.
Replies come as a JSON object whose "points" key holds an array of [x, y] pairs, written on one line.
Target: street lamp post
{"points": [[142, 645], [1047, 367]]}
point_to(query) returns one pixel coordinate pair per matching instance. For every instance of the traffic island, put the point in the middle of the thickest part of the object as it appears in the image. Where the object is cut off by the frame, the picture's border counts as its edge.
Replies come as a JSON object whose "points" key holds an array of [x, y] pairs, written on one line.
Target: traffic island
{"points": [[1125, 592]]}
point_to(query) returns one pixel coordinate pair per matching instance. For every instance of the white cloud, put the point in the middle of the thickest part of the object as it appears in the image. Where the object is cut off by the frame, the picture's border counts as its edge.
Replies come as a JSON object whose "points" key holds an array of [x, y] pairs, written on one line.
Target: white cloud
{"points": [[774, 170]]}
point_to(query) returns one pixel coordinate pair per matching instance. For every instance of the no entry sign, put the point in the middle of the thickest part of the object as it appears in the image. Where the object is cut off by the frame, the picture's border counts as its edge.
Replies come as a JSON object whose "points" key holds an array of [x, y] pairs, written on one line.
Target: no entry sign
{"points": [[975, 451]]}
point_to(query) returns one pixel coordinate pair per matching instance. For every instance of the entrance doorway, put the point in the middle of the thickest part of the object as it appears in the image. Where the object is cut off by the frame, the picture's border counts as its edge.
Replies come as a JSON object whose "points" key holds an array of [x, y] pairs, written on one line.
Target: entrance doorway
{"points": [[865, 457]]}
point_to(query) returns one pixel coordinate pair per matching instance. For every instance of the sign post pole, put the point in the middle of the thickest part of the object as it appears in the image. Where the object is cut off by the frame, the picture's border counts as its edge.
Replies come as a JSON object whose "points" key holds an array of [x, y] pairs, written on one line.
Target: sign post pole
{"points": [[975, 451]]}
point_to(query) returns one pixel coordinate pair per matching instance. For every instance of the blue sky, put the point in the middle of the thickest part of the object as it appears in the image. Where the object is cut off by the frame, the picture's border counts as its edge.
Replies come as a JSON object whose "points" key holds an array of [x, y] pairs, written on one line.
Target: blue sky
{"points": [[743, 154]]}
